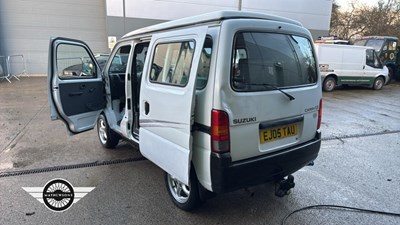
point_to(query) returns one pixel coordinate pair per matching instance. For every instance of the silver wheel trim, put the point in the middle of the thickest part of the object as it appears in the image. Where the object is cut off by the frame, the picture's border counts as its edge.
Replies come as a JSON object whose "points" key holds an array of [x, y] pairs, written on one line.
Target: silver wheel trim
{"points": [[330, 84], [378, 83], [179, 190], [102, 131]]}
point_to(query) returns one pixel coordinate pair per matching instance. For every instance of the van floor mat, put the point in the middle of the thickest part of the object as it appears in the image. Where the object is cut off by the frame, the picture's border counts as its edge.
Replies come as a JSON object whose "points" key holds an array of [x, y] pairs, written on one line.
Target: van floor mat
{"points": [[69, 167]]}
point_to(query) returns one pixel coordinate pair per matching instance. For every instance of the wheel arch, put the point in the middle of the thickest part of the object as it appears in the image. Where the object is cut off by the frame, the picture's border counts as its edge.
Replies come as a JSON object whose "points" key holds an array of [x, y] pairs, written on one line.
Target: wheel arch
{"points": [[392, 71], [391, 65], [383, 77], [334, 75]]}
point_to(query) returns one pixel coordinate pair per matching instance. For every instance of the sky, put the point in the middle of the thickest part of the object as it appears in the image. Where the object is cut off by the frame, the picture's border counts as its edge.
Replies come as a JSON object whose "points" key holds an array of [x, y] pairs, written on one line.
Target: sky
{"points": [[344, 4]]}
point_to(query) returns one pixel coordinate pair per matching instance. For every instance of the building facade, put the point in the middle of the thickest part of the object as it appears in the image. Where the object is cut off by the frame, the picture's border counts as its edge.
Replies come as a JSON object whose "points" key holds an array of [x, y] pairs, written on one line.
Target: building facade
{"points": [[27, 25]]}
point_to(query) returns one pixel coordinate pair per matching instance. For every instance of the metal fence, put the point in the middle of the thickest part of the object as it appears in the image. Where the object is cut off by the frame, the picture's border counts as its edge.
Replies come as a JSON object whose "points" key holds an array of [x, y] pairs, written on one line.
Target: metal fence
{"points": [[4, 73], [12, 66]]}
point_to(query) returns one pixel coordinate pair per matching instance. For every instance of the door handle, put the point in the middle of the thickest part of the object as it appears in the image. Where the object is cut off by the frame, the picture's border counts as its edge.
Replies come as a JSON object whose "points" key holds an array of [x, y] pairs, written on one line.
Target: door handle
{"points": [[75, 93], [146, 108]]}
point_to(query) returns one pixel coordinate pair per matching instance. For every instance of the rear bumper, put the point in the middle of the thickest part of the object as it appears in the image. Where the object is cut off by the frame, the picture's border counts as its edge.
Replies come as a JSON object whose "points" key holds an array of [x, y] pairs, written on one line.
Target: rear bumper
{"points": [[228, 176]]}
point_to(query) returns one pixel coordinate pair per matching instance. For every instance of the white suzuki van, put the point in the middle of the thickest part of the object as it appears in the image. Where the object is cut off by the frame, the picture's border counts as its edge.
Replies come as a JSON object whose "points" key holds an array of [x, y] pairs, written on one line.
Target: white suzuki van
{"points": [[350, 65], [219, 101]]}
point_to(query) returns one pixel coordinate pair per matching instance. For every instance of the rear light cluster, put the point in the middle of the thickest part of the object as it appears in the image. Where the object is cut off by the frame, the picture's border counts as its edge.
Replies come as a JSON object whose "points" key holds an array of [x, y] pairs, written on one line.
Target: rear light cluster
{"points": [[319, 114], [220, 137]]}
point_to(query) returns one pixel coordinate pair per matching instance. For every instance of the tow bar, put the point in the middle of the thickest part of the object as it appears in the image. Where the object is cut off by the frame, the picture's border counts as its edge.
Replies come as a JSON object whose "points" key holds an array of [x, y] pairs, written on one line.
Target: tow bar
{"points": [[284, 186]]}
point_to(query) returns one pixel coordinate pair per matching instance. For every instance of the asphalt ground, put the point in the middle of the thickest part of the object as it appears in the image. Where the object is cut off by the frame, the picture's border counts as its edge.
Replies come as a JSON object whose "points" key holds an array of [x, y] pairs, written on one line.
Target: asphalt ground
{"points": [[358, 166]]}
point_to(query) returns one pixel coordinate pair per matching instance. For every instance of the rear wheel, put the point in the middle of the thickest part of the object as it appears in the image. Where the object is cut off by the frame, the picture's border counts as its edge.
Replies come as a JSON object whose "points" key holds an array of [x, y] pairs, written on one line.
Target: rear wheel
{"points": [[378, 83], [107, 137], [329, 84], [185, 197]]}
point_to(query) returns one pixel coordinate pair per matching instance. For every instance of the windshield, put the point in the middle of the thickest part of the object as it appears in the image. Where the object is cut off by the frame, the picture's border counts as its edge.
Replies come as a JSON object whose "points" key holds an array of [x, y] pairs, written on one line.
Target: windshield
{"points": [[275, 59], [375, 43], [101, 58], [360, 42]]}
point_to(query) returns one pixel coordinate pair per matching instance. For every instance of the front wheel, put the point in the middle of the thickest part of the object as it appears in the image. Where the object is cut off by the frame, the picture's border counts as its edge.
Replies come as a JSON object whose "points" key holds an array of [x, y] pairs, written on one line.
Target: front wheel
{"points": [[378, 83], [185, 197], [107, 137], [329, 84]]}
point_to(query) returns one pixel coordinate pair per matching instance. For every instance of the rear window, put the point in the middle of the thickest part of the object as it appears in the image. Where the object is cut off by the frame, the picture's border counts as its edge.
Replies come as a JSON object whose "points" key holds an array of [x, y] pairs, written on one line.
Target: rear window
{"points": [[264, 60]]}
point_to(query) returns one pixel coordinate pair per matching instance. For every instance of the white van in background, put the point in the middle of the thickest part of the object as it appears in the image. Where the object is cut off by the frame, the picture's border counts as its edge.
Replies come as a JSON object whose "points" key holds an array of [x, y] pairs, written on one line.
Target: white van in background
{"points": [[219, 101], [350, 65]]}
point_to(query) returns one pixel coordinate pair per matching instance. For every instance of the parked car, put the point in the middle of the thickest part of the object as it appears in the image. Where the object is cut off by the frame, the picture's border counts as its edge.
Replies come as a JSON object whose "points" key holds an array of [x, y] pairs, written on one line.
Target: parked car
{"points": [[350, 65], [219, 101]]}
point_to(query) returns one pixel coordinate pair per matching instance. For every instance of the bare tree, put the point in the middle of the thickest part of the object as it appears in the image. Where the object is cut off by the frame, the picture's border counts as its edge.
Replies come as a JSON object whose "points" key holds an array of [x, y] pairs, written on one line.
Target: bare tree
{"points": [[383, 19], [346, 24], [362, 20]]}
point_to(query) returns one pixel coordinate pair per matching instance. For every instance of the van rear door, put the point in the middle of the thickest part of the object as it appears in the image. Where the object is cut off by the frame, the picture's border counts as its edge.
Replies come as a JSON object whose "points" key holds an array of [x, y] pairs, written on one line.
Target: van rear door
{"points": [[167, 99], [274, 92], [75, 85]]}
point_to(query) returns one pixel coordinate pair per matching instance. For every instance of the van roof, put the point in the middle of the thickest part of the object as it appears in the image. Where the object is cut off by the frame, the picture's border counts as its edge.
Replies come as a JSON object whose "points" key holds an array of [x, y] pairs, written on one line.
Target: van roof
{"points": [[379, 37], [344, 46], [216, 16]]}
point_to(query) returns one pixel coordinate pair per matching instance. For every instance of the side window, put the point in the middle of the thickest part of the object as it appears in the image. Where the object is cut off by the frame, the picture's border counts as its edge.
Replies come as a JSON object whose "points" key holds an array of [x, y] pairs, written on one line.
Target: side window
{"points": [[74, 61], [203, 70], [172, 62], [372, 59], [239, 59], [392, 45], [139, 57], [385, 47], [119, 61]]}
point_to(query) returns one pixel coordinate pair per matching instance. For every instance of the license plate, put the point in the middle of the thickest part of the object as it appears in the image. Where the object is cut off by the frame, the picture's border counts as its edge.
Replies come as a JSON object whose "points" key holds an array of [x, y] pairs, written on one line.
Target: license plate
{"points": [[277, 133]]}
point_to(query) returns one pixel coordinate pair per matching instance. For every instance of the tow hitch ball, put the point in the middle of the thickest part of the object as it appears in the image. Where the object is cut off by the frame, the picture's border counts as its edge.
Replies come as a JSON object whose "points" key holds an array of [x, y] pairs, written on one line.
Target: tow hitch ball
{"points": [[283, 186]]}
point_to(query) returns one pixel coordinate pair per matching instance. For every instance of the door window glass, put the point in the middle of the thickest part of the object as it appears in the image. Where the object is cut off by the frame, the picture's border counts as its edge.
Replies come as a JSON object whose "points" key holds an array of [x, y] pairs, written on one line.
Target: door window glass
{"points": [[74, 61], [204, 65], [119, 61], [172, 62], [139, 57], [372, 59]]}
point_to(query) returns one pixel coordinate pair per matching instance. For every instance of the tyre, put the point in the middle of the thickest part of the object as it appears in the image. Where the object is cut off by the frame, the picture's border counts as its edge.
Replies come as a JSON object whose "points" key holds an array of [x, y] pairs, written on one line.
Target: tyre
{"points": [[378, 83], [184, 197], [107, 137], [329, 84]]}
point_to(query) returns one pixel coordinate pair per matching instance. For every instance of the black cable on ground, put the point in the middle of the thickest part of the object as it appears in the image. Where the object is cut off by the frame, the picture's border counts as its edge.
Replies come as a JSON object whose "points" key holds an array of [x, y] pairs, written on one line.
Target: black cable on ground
{"points": [[338, 207]]}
